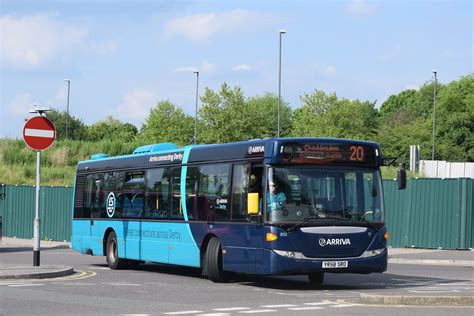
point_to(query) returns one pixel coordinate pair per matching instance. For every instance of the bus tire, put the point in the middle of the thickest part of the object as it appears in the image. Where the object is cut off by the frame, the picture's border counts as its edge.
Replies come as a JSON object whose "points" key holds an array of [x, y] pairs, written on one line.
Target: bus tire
{"points": [[111, 253], [214, 261], [316, 278]]}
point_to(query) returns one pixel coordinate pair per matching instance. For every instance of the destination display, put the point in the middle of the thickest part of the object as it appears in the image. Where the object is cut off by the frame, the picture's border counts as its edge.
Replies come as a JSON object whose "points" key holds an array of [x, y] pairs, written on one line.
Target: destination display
{"points": [[324, 153]]}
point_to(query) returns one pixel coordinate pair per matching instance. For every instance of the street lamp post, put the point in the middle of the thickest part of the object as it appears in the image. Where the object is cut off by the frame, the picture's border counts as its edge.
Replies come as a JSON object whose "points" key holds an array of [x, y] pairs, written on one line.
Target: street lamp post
{"points": [[434, 115], [279, 86], [67, 107], [196, 110]]}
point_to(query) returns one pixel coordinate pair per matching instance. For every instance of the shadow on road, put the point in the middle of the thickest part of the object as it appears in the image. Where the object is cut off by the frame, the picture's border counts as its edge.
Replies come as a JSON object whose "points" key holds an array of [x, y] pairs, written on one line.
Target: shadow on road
{"points": [[332, 282], [27, 249]]}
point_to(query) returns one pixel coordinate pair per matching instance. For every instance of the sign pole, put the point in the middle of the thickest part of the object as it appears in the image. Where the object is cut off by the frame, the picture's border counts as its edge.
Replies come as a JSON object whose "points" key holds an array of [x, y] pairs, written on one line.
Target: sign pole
{"points": [[38, 133], [36, 232]]}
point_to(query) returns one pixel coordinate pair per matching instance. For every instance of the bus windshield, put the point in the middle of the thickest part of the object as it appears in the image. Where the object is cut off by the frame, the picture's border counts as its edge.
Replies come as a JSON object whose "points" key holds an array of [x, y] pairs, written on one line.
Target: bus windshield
{"points": [[323, 194]]}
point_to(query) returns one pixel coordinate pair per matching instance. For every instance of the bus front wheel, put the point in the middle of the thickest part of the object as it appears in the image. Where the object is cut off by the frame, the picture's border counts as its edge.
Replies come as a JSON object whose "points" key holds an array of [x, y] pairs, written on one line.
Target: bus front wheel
{"points": [[214, 261], [316, 278], [111, 253]]}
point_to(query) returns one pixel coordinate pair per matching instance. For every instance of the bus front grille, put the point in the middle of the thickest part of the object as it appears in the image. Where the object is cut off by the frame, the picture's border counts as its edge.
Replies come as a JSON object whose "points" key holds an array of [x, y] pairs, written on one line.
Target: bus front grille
{"points": [[334, 253]]}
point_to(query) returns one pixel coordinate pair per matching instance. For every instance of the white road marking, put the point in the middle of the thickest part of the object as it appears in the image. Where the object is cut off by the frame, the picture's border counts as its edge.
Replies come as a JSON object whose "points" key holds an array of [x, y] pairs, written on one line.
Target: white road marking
{"points": [[255, 311], [28, 284], [214, 314], [183, 313], [432, 291], [230, 309], [305, 308], [98, 268], [343, 305], [319, 303], [277, 306]]}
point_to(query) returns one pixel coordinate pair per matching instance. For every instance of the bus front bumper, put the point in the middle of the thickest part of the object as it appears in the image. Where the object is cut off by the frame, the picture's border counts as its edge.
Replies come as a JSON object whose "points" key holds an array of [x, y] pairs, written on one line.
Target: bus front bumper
{"points": [[283, 262]]}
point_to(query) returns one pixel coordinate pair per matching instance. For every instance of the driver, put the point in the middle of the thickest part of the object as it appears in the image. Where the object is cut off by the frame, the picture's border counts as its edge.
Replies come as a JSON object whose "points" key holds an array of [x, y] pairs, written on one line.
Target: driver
{"points": [[274, 200]]}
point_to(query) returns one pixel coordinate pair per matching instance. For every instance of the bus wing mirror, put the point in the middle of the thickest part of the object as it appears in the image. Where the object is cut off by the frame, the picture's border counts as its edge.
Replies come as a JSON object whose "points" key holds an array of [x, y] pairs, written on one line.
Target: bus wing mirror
{"points": [[402, 177], [252, 203]]}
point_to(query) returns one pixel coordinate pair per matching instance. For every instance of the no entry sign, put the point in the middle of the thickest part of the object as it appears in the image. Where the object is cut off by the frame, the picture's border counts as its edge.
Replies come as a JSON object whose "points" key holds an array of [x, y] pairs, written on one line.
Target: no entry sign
{"points": [[39, 133]]}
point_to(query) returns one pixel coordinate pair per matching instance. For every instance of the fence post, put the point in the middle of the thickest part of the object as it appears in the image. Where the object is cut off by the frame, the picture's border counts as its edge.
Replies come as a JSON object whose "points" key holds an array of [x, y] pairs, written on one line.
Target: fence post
{"points": [[463, 217]]}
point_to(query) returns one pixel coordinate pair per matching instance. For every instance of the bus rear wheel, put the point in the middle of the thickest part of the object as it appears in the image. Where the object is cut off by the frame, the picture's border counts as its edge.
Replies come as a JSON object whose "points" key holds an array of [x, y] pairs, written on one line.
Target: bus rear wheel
{"points": [[111, 253], [316, 278], [214, 261]]}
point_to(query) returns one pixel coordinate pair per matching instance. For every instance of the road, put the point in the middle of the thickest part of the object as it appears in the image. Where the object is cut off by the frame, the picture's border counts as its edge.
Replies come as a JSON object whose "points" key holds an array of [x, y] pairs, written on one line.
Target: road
{"points": [[168, 290]]}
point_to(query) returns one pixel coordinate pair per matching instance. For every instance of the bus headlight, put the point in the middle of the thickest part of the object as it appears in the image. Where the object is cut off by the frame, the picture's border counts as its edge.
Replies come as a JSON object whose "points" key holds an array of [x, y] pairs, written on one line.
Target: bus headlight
{"points": [[372, 253], [289, 254]]}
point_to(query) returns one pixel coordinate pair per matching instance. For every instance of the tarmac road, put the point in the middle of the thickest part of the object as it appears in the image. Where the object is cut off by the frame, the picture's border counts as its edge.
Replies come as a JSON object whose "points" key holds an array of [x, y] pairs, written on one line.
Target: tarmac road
{"points": [[168, 290]]}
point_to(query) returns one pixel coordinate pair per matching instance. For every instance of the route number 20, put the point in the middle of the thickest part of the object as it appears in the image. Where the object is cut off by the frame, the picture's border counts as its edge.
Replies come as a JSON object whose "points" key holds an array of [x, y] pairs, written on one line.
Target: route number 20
{"points": [[357, 153]]}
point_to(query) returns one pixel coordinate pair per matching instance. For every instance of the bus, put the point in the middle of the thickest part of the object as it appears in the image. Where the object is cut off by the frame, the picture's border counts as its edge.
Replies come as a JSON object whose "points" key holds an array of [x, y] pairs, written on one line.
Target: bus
{"points": [[277, 206]]}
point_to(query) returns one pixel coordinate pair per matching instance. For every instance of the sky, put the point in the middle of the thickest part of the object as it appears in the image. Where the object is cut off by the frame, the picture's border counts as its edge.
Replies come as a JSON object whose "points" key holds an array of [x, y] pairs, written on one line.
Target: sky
{"points": [[123, 56]]}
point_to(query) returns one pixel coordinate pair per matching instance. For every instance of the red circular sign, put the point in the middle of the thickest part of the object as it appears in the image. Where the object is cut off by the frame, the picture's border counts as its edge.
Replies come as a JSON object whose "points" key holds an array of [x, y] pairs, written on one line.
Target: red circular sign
{"points": [[39, 133]]}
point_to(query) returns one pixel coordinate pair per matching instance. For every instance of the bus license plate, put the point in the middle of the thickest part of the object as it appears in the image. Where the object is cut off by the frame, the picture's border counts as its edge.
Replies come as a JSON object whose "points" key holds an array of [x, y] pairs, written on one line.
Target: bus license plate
{"points": [[334, 264]]}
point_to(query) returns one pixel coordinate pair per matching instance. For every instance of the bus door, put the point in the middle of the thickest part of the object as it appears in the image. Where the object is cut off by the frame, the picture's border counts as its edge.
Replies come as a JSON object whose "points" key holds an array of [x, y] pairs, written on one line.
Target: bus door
{"points": [[245, 240]]}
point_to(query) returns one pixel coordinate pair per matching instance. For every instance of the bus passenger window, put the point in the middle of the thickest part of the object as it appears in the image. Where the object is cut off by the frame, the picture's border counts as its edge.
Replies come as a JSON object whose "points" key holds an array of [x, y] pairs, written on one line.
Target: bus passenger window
{"points": [[176, 208], [157, 194], [133, 193], [192, 177], [97, 201], [213, 194]]}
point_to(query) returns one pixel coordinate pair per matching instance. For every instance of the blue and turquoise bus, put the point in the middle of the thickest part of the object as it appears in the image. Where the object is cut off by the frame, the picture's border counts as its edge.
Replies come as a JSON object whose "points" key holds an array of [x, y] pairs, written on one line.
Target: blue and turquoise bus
{"points": [[275, 206]]}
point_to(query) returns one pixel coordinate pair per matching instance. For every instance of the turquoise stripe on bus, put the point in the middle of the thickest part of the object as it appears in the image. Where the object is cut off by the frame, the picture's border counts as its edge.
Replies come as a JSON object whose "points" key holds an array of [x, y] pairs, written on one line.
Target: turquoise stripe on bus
{"points": [[185, 252]]}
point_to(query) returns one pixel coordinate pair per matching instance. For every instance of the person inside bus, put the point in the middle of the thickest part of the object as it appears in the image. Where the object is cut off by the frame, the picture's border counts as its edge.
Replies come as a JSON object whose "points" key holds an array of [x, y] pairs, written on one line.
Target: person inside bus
{"points": [[275, 199]]}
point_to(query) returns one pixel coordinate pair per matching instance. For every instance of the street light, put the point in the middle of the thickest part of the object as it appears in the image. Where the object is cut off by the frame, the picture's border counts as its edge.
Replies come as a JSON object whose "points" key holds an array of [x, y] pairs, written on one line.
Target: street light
{"points": [[196, 110], [67, 108], [434, 115], [279, 87]]}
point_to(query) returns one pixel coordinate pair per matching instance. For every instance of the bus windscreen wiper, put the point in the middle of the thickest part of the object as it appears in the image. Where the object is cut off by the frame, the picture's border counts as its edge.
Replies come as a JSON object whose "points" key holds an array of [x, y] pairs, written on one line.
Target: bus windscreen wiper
{"points": [[316, 217]]}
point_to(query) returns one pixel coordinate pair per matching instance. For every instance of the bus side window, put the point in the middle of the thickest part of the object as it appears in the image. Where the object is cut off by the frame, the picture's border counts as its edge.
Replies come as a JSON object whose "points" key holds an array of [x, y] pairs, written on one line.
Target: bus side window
{"points": [[157, 191], [88, 190], [240, 189], [133, 192], [97, 196], [192, 177], [176, 209], [213, 197]]}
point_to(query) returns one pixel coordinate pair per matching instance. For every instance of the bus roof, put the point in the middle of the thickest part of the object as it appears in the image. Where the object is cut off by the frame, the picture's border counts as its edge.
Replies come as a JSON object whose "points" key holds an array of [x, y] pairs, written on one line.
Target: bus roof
{"points": [[168, 153]]}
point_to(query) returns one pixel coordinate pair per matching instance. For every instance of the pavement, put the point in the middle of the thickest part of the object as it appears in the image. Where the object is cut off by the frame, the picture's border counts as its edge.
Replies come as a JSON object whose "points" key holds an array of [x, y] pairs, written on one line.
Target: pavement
{"points": [[410, 256], [30, 272]]}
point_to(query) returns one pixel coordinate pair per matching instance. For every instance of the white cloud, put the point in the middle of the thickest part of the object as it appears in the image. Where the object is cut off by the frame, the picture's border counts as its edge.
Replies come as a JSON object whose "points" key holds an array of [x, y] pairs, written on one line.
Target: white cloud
{"points": [[185, 69], [205, 67], [360, 8], [391, 55], [31, 40], [241, 67], [327, 70], [199, 27], [136, 105], [21, 104], [330, 71], [208, 67]]}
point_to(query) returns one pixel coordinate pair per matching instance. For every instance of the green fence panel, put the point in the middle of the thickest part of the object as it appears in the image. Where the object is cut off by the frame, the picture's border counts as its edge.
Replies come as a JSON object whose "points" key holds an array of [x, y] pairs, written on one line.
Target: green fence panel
{"points": [[430, 213], [18, 209]]}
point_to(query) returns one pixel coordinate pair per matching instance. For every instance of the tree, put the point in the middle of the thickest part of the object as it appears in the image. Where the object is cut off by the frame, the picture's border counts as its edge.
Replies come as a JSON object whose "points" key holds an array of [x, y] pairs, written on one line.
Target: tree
{"points": [[111, 128], [324, 115], [168, 123], [76, 129], [226, 116]]}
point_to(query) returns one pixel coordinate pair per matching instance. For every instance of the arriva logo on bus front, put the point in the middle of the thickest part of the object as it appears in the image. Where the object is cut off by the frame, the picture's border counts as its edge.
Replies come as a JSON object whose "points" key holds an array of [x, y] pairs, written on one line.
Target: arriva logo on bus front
{"points": [[334, 242]]}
